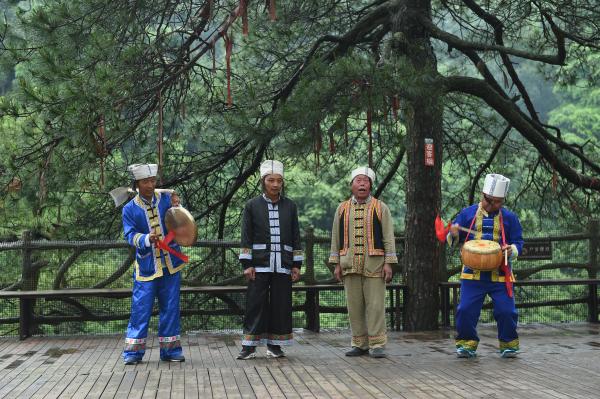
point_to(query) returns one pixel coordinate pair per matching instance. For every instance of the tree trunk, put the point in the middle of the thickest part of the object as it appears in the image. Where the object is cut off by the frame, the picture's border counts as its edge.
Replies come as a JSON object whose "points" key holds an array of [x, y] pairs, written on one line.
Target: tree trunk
{"points": [[423, 118]]}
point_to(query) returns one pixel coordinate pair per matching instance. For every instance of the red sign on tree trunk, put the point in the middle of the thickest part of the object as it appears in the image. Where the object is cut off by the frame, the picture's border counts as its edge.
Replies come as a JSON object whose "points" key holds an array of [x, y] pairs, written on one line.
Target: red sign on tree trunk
{"points": [[429, 157]]}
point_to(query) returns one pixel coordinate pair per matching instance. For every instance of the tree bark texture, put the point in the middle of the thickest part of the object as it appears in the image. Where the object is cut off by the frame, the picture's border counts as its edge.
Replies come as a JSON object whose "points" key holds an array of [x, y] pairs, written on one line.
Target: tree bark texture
{"points": [[423, 117]]}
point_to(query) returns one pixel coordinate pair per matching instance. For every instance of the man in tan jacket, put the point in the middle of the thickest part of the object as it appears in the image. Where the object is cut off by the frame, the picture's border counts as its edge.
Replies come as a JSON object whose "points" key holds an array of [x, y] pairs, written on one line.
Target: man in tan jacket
{"points": [[362, 249]]}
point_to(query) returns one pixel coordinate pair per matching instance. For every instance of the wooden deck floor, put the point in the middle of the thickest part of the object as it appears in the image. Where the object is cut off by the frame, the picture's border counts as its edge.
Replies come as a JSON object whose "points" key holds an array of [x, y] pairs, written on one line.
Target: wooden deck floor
{"points": [[560, 361]]}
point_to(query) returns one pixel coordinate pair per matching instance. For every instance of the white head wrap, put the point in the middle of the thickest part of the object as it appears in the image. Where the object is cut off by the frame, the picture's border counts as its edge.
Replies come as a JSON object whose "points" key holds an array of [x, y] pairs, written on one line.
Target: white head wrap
{"points": [[363, 170], [271, 167], [141, 171], [496, 185]]}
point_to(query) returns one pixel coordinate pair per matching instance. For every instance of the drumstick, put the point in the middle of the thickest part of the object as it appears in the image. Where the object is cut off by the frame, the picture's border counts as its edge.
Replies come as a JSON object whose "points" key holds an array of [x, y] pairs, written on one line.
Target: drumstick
{"points": [[461, 228]]}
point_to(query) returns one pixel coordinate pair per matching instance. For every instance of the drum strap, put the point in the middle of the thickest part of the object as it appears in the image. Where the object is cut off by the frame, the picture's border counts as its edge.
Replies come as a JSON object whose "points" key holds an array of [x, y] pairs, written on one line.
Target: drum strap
{"points": [[505, 269], [471, 226]]}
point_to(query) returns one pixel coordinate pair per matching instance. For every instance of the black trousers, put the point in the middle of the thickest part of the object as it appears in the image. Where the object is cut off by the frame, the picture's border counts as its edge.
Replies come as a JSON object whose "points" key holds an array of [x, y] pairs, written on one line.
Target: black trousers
{"points": [[268, 317]]}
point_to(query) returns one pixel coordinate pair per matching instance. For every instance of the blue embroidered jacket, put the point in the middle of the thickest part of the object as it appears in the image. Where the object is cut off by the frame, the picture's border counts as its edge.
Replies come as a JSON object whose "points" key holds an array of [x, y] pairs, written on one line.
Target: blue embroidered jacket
{"points": [[487, 227], [139, 219]]}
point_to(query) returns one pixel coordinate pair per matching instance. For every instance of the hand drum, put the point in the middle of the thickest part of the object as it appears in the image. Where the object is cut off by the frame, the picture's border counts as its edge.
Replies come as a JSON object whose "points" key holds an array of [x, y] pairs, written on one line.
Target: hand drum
{"points": [[180, 220]]}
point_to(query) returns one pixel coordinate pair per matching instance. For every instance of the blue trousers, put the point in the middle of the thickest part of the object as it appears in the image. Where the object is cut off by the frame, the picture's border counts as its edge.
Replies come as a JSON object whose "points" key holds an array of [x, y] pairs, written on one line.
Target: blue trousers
{"points": [[166, 289], [472, 295]]}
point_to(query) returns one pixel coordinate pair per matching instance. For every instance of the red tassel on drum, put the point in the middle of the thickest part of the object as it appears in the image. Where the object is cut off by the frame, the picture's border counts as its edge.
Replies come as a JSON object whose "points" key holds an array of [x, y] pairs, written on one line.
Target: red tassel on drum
{"points": [[441, 231], [228, 46]]}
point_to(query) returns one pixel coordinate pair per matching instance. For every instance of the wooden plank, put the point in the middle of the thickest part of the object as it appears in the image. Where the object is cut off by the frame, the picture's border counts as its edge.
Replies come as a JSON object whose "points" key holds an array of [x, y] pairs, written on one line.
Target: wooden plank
{"points": [[74, 386], [47, 387], [178, 384], [190, 384], [299, 384], [139, 384], [298, 374], [30, 357], [99, 386], [164, 384], [289, 391], [269, 382], [86, 386], [61, 385], [231, 388], [112, 386], [216, 383], [151, 384], [207, 359], [126, 384], [328, 387], [203, 379], [558, 362], [22, 384], [242, 383], [193, 356], [260, 391]]}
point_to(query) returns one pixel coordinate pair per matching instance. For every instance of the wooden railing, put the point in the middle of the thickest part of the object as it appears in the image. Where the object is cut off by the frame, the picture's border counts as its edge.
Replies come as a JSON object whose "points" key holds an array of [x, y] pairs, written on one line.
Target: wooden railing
{"points": [[28, 320], [449, 302], [27, 288]]}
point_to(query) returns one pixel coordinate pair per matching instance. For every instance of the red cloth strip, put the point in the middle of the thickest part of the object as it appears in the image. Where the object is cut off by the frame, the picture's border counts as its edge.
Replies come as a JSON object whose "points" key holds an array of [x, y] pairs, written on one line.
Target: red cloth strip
{"points": [[164, 245]]}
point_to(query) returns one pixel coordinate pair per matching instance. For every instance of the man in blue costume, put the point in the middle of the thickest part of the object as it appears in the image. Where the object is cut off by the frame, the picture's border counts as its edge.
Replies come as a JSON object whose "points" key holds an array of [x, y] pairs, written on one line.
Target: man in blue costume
{"points": [[156, 272], [488, 220]]}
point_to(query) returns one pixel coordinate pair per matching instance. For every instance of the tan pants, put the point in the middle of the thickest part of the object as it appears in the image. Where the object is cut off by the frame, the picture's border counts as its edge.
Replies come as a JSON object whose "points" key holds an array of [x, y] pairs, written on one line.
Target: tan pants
{"points": [[365, 297]]}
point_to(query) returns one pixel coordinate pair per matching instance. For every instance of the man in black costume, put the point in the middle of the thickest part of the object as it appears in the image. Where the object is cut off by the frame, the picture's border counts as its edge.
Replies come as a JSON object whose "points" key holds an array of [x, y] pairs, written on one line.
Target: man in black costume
{"points": [[271, 256]]}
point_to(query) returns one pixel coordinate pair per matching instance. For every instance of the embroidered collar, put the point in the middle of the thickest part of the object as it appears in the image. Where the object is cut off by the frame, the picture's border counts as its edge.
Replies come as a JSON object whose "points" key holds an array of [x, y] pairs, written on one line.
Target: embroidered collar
{"points": [[354, 201], [270, 200], [146, 202], [484, 212]]}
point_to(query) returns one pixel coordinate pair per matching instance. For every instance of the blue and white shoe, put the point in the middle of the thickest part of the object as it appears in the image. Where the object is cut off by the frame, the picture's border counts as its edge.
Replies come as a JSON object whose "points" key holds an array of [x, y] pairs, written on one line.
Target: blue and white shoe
{"points": [[128, 360], [509, 353], [464, 353]]}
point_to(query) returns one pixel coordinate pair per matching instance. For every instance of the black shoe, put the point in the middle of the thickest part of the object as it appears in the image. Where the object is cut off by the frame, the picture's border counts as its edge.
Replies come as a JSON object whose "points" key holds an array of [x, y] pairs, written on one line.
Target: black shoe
{"points": [[377, 353], [247, 352], [357, 352], [131, 360], [274, 351]]}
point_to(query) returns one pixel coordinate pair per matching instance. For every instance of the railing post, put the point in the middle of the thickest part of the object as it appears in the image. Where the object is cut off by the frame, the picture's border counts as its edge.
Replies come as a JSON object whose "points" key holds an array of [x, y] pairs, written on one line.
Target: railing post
{"points": [[594, 233], [399, 309], [311, 304], [445, 293], [398, 306], [313, 317], [455, 295], [593, 303], [309, 252], [392, 293], [26, 304]]}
